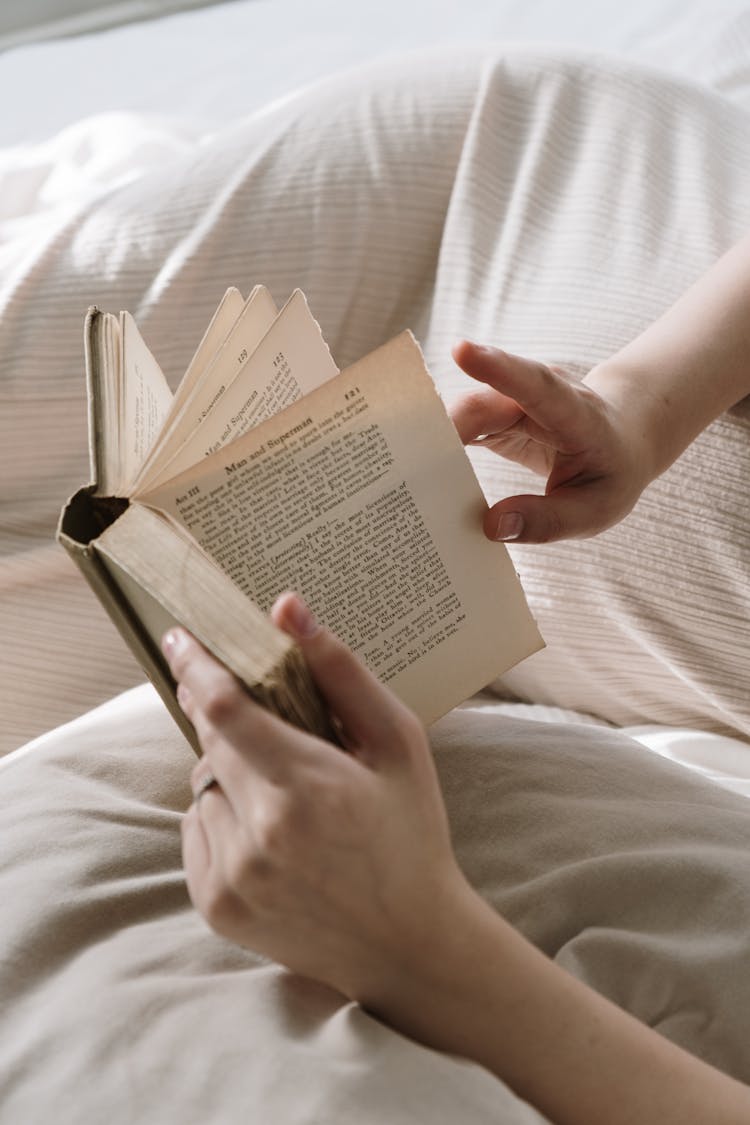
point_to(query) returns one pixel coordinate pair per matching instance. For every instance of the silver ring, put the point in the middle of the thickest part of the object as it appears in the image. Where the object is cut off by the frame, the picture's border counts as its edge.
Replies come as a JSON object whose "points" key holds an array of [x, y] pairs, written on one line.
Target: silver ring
{"points": [[206, 783]]}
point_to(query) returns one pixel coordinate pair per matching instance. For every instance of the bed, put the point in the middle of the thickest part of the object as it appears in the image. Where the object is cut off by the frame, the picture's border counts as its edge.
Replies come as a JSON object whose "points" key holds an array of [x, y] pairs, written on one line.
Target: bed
{"points": [[549, 179]]}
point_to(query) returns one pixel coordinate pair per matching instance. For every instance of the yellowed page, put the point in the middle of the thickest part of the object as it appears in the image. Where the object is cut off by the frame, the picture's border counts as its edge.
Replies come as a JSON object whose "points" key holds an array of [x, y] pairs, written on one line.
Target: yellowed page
{"points": [[227, 314], [291, 360], [145, 399], [232, 336], [361, 497], [104, 360]]}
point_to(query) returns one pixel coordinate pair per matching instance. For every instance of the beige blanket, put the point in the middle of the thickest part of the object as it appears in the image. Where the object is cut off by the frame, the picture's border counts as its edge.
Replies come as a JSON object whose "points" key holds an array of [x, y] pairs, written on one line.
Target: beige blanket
{"points": [[120, 1006]]}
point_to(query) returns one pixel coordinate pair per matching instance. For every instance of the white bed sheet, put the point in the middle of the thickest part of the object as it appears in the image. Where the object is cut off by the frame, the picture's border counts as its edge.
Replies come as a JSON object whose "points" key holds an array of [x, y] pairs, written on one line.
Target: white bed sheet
{"points": [[93, 111], [225, 61]]}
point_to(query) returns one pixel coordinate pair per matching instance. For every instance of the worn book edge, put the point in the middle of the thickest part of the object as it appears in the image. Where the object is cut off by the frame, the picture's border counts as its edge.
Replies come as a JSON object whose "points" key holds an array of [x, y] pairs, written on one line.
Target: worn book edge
{"points": [[284, 685]]}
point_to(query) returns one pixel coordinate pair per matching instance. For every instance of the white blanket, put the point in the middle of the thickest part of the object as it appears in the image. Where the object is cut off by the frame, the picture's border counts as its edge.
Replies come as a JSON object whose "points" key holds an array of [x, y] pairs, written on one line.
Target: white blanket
{"points": [[552, 205]]}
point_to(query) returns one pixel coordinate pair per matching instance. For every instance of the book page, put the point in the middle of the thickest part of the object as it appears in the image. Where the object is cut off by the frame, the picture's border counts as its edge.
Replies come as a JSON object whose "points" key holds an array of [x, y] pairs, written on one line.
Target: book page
{"points": [[145, 399], [290, 360], [233, 334], [361, 497], [225, 318], [103, 381]]}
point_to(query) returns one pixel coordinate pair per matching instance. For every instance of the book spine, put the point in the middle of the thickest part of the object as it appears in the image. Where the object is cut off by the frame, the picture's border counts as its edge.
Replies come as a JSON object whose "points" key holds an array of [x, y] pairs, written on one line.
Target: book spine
{"points": [[102, 584]]}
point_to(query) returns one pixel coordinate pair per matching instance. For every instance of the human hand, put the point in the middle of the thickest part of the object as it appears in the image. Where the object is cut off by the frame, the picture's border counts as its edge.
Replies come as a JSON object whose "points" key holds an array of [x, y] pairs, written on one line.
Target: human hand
{"points": [[593, 450], [337, 865]]}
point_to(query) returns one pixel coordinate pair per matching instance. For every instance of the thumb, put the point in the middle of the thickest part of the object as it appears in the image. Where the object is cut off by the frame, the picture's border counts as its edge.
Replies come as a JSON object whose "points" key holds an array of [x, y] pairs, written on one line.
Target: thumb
{"points": [[575, 511], [368, 711]]}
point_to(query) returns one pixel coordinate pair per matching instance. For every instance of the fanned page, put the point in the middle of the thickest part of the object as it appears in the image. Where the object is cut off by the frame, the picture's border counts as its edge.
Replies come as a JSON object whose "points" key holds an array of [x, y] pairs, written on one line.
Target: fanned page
{"points": [[227, 314], [145, 399], [103, 369], [290, 360], [234, 333], [360, 496]]}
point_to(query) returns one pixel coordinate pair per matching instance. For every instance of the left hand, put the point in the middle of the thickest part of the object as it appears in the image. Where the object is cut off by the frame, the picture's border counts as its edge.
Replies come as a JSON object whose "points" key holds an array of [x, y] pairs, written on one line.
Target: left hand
{"points": [[338, 865], [596, 456]]}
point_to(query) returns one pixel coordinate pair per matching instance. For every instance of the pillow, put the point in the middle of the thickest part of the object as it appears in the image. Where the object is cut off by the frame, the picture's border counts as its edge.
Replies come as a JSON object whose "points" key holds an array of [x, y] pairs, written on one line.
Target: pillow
{"points": [[119, 1004]]}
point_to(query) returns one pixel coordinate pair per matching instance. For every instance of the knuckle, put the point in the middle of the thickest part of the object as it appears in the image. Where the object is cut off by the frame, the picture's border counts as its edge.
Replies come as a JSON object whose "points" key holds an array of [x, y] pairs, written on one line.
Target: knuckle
{"points": [[247, 867], [473, 410], [564, 373], [219, 905], [553, 527], [545, 382], [254, 878], [406, 728], [335, 659], [208, 736], [278, 825], [222, 700]]}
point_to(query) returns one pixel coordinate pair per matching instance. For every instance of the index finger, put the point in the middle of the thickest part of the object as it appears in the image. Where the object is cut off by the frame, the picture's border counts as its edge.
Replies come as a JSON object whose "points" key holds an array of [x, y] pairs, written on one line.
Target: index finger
{"points": [[235, 731], [483, 412], [551, 403]]}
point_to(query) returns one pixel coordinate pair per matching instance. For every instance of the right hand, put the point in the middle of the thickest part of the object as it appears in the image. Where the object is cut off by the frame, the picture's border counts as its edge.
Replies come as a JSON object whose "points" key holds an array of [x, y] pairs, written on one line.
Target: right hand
{"points": [[337, 865], [595, 456]]}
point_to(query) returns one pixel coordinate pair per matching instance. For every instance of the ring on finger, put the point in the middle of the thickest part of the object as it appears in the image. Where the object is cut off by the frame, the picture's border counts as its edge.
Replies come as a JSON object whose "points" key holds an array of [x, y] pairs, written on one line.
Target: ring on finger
{"points": [[208, 781]]}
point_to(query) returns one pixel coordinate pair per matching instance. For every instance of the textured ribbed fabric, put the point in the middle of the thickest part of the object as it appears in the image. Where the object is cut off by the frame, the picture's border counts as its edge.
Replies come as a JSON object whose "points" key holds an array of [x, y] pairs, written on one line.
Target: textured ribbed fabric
{"points": [[551, 205], [591, 199]]}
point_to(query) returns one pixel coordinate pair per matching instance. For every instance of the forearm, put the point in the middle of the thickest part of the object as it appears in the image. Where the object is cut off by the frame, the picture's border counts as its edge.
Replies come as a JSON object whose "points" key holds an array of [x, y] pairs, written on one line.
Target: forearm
{"points": [[485, 993], [690, 365]]}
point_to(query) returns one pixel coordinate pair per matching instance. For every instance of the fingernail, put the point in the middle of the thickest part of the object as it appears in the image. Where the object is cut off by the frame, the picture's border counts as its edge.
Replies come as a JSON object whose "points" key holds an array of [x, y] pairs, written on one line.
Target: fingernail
{"points": [[173, 642], [509, 526], [301, 618]]}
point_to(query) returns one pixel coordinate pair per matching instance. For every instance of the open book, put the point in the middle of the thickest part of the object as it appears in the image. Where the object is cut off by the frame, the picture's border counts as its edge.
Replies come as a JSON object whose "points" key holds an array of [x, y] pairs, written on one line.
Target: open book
{"points": [[269, 470]]}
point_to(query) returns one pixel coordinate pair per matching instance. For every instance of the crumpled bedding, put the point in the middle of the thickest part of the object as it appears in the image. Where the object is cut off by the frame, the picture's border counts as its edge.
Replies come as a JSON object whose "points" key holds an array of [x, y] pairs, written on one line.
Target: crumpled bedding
{"points": [[120, 1005], [554, 206], [551, 204]]}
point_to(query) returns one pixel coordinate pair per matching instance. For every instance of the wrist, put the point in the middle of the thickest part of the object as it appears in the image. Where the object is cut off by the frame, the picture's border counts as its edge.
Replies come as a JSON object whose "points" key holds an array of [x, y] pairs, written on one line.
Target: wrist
{"points": [[484, 993], [644, 416], [435, 985]]}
